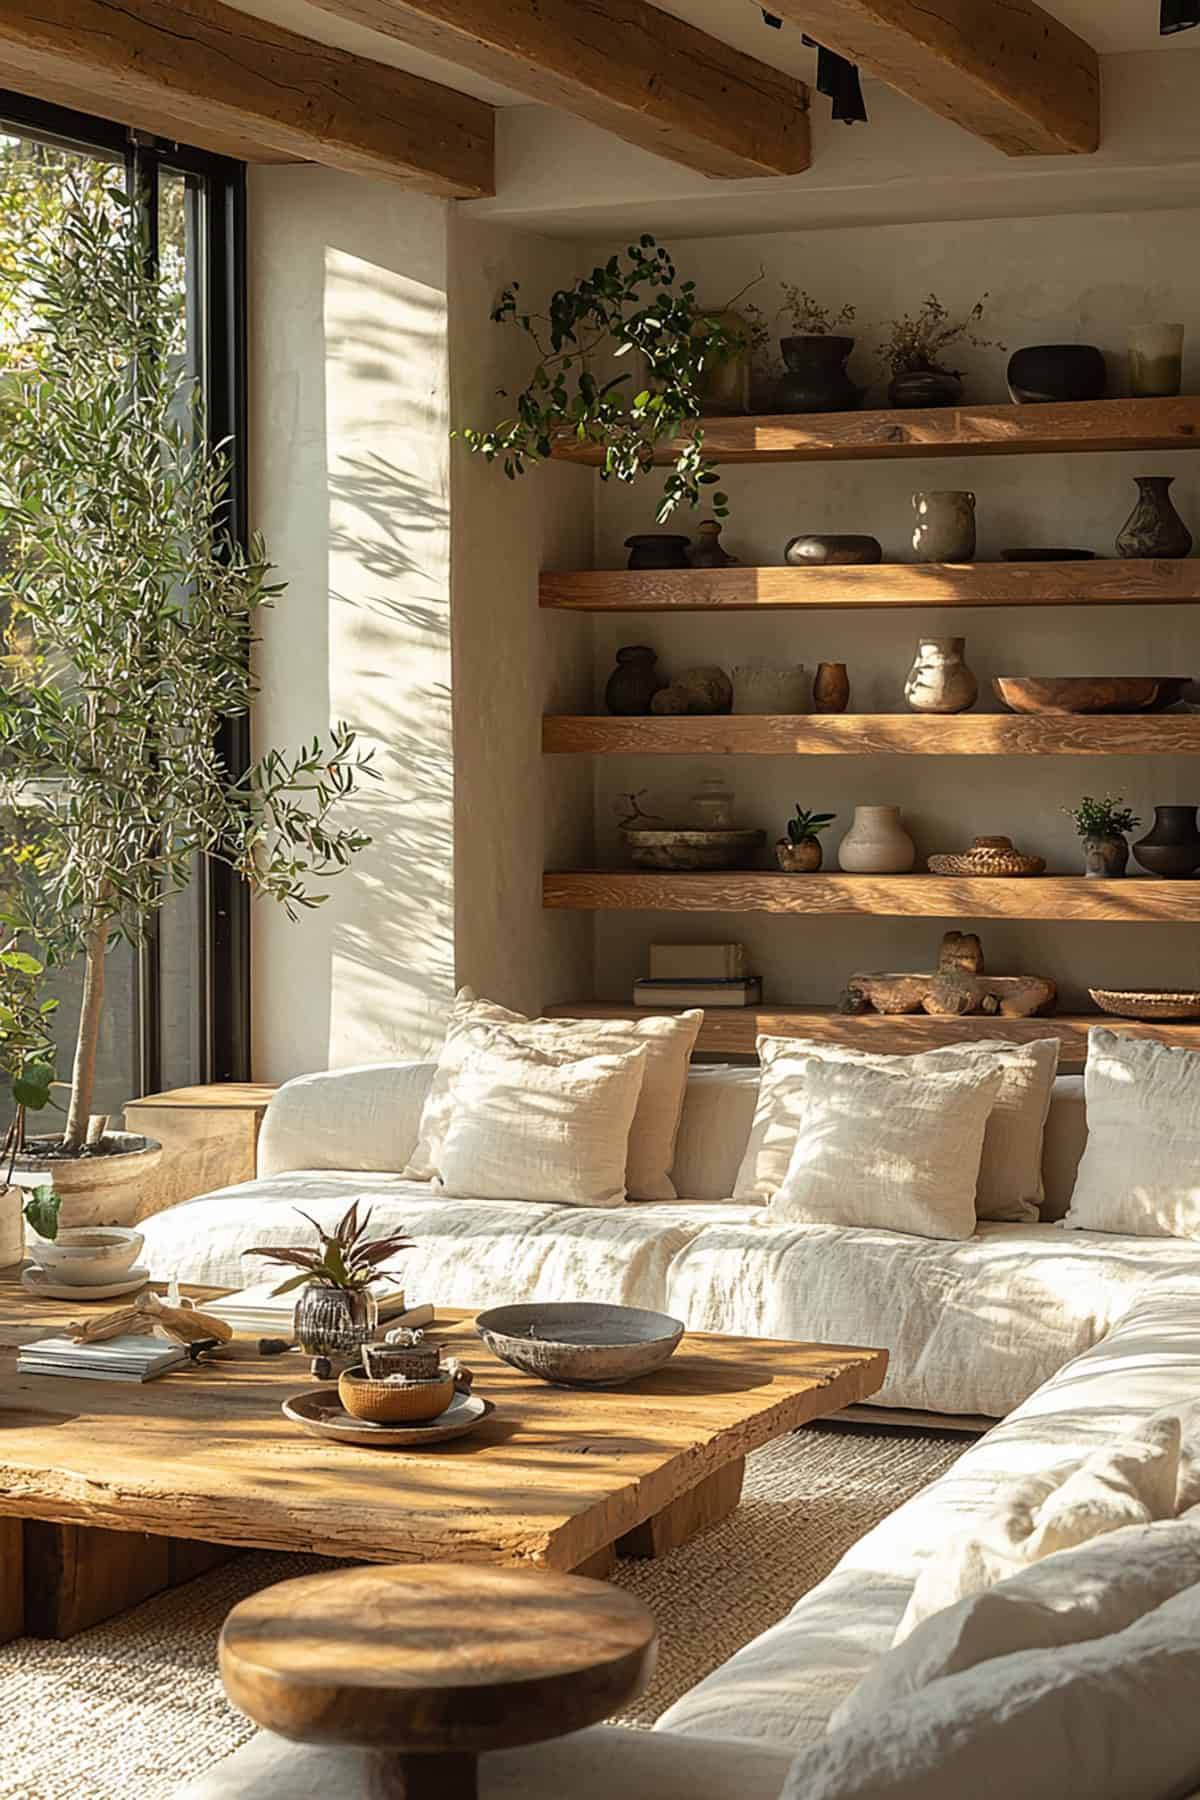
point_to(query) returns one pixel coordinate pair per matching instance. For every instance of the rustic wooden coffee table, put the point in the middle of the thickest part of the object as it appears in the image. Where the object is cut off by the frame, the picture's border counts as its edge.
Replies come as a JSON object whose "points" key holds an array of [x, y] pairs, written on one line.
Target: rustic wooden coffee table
{"points": [[111, 1491]]}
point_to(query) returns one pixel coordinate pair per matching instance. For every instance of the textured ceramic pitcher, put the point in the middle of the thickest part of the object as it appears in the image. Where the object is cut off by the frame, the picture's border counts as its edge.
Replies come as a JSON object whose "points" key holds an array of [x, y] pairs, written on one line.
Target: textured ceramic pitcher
{"points": [[945, 527], [939, 680]]}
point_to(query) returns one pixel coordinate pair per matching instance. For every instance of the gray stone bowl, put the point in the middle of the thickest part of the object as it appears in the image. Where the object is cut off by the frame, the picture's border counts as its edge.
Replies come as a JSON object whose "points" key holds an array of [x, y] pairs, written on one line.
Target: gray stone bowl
{"points": [[580, 1343]]}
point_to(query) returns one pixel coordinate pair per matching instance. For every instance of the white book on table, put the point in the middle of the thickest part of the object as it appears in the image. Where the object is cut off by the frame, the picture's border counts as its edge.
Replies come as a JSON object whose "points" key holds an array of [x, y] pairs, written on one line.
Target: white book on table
{"points": [[132, 1358]]}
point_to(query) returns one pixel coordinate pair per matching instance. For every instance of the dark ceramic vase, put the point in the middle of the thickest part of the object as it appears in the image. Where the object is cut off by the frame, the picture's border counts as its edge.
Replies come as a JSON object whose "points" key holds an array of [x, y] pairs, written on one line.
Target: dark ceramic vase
{"points": [[924, 387], [634, 682], [1104, 857], [1154, 528], [1044, 373], [1171, 848], [816, 378], [657, 550]]}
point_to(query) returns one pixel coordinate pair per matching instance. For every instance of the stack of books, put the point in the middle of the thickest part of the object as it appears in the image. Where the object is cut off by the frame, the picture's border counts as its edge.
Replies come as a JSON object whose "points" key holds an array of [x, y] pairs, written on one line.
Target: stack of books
{"points": [[698, 975], [258, 1312], [113, 1359]]}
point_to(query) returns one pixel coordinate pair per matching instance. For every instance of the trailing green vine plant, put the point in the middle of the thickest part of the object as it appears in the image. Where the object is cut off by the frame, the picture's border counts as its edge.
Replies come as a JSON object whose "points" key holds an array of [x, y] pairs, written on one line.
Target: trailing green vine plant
{"points": [[631, 305]]}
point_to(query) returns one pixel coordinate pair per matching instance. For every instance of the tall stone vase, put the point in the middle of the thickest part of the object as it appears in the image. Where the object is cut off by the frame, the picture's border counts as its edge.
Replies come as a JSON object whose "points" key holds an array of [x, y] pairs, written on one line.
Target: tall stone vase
{"points": [[877, 843], [1154, 528]]}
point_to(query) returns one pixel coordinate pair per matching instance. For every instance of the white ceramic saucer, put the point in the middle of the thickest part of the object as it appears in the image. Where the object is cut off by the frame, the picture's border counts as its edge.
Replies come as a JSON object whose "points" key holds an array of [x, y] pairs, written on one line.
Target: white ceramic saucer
{"points": [[36, 1281]]}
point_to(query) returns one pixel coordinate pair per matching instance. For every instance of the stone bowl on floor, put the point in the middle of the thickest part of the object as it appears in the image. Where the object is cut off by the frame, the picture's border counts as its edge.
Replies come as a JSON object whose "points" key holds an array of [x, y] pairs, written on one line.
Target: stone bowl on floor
{"points": [[580, 1343]]}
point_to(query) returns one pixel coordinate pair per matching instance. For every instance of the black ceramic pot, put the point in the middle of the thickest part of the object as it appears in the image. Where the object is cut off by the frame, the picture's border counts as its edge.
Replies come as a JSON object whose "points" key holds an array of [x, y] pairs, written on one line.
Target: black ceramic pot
{"points": [[816, 378], [924, 387], [657, 550], [1171, 848], [832, 547], [1043, 373], [634, 682]]}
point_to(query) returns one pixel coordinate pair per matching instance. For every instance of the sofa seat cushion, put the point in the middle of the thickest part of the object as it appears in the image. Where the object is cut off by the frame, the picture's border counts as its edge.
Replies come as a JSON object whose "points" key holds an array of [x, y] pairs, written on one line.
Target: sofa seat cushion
{"points": [[970, 1327], [465, 1252], [783, 1688]]}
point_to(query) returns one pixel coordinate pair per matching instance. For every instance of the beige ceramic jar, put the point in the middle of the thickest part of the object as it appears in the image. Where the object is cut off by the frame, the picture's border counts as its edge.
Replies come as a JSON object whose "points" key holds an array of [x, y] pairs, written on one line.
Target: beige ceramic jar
{"points": [[939, 680], [877, 843]]}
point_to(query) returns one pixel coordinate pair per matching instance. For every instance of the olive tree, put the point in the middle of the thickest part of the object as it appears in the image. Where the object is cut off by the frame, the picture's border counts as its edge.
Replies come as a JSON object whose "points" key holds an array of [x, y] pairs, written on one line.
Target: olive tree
{"points": [[129, 609]]}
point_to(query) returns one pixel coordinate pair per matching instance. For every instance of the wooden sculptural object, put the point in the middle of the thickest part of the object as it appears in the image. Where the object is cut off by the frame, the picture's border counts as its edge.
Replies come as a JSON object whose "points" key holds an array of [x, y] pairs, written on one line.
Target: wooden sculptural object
{"points": [[956, 988]]}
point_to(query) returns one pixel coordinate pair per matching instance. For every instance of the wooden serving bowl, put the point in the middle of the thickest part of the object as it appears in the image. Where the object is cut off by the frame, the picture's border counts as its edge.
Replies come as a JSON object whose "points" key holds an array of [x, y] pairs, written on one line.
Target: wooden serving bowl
{"points": [[394, 1402], [1089, 693]]}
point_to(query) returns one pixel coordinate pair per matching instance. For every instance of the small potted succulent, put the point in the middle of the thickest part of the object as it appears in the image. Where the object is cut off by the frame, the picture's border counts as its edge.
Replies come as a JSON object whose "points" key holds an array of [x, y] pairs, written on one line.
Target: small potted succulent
{"points": [[799, 853], [913, 349], [815, 354], [336, 1311], [1104, 825]]}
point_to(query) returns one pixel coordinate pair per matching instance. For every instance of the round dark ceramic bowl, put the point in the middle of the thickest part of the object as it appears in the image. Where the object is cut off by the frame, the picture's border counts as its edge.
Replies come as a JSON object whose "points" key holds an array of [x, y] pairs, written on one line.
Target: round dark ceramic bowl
{"points": [[1043, 373]]}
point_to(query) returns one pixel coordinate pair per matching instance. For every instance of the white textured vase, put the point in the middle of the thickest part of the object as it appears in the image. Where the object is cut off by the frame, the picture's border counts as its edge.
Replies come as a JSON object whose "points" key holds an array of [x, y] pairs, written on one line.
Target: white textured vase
{"points": [[877, 843], [939, 680]]}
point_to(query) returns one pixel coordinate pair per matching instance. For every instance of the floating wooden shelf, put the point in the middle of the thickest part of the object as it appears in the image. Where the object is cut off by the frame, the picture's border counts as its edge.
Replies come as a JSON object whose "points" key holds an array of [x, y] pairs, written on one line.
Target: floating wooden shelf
{"points": [[731, 1031], [1115, 581], [877, 734], [1136, 900], [1086, 425]]}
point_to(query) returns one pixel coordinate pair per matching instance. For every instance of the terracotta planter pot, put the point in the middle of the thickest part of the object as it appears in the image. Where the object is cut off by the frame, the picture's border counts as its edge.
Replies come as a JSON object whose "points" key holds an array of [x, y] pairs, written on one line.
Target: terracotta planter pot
{"points": [[798, 859], [96, 1190]]}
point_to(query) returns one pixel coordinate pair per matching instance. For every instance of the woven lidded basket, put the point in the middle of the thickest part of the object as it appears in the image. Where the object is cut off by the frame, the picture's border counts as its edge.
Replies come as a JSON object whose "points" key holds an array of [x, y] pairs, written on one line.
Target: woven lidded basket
{"points": [[988, 856]]}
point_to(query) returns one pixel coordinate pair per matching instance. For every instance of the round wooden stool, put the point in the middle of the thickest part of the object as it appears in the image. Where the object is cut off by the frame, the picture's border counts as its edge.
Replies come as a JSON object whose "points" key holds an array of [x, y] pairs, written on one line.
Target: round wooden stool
{"points": [[428, 1664]]}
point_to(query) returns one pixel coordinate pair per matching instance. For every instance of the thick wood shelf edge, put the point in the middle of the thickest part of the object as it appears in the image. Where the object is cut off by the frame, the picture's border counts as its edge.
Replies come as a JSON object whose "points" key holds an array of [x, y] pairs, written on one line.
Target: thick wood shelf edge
{"points": [[1127, 901], [1085, 426], [1116, 581], [876, 734], [732, 1031]]}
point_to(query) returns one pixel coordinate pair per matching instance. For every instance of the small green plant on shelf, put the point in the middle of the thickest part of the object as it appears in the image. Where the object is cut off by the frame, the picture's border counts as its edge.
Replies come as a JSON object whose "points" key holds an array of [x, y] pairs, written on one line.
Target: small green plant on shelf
{"points": [[807, 317], [634, 304], [1107, 818], [1104, 825], [799, 853]]}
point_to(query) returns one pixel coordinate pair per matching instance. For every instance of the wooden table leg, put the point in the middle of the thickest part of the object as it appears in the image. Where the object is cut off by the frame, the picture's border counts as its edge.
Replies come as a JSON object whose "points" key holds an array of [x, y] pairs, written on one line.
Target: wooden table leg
{"points": [[12, 1580], [79, 1575], [397, 1776], [600, 1565], [711, 1500], [187, 1558]]}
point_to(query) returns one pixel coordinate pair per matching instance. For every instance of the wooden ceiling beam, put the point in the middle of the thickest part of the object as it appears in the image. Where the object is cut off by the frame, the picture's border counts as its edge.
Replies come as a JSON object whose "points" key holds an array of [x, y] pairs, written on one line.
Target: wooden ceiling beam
{"points": [[1002, 69], [642, 74], [203, 73]]}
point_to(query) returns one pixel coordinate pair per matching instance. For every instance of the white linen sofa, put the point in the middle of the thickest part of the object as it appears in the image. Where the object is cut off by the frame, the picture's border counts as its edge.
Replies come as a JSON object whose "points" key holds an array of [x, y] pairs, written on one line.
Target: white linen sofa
{"points": [[972, 1327], [737, 1732]]}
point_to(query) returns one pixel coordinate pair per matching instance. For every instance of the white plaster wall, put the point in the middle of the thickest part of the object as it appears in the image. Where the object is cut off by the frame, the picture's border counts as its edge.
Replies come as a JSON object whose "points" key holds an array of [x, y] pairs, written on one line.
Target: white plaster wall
{"points": [[516, 812], [350, 485], [1074, 278]]}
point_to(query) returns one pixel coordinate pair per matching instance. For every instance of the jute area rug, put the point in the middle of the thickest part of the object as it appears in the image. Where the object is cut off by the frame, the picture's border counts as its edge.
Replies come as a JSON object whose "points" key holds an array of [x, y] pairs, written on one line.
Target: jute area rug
{"points": [[135, 1707]]}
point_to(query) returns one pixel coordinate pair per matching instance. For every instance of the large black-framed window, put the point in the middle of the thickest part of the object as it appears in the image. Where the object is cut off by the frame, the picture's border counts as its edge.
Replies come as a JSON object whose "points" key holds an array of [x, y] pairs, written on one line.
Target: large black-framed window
{"points": [[190, 989]]}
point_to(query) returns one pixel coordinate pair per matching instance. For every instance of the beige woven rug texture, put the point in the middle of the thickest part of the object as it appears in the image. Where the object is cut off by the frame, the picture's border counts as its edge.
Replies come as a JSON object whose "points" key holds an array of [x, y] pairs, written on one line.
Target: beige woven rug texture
{"points": [[132, 1709]]}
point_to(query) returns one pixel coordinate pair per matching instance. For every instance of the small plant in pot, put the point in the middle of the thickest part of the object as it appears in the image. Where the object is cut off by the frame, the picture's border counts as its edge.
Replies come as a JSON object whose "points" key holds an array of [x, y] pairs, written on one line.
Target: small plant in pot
{"points": [[1104, 825], [913, 349], [815, 355], [799, 853], [336, 1311], [128, 607]]}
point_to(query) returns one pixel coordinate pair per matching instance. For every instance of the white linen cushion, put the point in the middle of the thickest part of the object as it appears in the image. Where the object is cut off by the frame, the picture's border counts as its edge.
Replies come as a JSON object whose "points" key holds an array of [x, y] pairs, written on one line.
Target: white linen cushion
{"points": [[525, 1126], [875, 1147], [718, 1111], [1113, 1719], [1072, 1597], [668, 1043], [1010, 1170], [1140, 1170], [360, 1118]]}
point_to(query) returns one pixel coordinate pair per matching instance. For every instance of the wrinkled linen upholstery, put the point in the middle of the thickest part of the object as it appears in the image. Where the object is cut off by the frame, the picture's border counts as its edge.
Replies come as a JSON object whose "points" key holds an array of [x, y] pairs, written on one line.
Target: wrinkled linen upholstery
{"points": [[782, 1688], [465, 1252], [970, 1327], [361, 1118]]}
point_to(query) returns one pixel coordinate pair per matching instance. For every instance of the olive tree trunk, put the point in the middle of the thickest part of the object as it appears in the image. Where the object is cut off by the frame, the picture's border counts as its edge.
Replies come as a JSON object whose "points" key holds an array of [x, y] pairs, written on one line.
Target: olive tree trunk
{"points": [[83, 1074]]}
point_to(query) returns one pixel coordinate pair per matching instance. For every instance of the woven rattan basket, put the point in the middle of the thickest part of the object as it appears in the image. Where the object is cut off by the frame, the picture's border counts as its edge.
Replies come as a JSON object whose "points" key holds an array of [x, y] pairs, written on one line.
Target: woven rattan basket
{"points": [[1148, 1003], [988, 856]]}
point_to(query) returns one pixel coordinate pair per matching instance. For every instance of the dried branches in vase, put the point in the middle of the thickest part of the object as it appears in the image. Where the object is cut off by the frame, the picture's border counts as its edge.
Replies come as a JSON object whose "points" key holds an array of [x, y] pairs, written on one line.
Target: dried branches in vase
{"points": [[914, 346]]}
